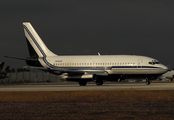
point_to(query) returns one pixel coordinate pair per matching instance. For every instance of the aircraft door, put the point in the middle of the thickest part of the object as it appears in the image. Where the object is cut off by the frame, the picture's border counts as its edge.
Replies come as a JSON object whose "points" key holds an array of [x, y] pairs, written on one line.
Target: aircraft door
{"points": [[92, 62], [139, 64], [95, 62]]}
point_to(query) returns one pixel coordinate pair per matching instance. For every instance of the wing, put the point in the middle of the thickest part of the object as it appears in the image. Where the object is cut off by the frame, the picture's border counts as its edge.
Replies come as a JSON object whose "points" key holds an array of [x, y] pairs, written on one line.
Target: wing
{"points": [[60, 71]]}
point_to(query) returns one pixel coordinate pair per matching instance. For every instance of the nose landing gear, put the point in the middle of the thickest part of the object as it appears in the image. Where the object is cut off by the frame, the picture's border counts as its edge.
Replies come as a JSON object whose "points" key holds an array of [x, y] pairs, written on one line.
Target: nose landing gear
{"points": [[147, 81]]}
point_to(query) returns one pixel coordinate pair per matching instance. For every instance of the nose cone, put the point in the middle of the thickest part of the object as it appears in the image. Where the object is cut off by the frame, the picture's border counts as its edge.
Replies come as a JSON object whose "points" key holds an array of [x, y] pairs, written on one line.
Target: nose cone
{"points": [[165, 68]]}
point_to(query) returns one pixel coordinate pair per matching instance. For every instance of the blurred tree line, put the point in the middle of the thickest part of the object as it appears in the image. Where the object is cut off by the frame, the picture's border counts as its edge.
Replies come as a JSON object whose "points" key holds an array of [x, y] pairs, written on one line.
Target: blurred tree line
{"points": [[12, 70]]}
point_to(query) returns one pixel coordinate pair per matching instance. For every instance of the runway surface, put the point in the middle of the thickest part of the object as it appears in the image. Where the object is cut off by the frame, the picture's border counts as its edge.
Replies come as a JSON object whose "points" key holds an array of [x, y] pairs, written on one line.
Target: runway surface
{"points": [[76, 87]]}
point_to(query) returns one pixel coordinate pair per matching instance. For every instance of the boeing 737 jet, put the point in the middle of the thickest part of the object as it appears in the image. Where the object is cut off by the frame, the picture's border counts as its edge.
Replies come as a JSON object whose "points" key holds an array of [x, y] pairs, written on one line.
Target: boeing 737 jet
{"points": [[167, 75], [85, 68]]}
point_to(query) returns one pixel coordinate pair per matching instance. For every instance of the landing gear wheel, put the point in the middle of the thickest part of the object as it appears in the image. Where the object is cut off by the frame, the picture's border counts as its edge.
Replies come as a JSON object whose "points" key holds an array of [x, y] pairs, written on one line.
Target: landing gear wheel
{"points": [[99, 82], [82, 83], [147, 82]]}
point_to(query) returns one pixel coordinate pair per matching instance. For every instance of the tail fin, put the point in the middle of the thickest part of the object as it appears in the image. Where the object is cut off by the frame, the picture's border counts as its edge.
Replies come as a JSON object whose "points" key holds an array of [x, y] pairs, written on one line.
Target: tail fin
{"points": [[5, 71], [36, 46], [1, 66]]}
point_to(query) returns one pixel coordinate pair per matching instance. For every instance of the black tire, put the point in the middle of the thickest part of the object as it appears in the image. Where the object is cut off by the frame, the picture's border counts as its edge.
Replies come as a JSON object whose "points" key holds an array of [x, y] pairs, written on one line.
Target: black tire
{"points": [[147, 82], [99, 82], [82, 83]]}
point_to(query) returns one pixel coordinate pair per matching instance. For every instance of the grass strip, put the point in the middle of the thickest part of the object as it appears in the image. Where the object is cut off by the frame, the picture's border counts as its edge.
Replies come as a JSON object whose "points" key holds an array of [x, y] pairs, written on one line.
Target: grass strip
{"points": [[87, 96]]}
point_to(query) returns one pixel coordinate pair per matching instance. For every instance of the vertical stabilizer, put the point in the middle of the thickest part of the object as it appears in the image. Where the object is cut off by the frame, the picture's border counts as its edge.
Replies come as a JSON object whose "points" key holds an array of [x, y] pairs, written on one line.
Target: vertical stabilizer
{"points": [[36, 46]]}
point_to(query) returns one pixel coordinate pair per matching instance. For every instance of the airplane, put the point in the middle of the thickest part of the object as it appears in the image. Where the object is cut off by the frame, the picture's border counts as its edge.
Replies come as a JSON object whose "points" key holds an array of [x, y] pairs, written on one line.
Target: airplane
{"points": [[167, 75], [3, 73], [1, 66], [85, 68]]}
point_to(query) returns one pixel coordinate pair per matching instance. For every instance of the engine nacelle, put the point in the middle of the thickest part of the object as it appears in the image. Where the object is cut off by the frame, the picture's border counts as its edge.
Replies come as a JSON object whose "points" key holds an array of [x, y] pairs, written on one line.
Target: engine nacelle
{"points": [[76, 77]]}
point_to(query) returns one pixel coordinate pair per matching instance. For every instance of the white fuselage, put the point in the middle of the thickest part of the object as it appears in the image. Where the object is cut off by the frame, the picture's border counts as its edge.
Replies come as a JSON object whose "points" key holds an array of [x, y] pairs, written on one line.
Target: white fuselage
{"points": [[113, 64]]}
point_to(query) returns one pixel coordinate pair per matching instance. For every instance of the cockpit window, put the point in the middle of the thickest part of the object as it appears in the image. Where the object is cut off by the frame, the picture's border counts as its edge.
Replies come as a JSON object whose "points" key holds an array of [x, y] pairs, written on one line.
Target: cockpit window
{"points": [[151, 63], [154, 62]]}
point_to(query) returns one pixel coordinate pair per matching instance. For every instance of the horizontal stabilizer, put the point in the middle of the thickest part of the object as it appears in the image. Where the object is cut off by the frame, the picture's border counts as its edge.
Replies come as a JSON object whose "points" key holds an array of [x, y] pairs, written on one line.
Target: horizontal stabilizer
{"points": [[21, 58]]}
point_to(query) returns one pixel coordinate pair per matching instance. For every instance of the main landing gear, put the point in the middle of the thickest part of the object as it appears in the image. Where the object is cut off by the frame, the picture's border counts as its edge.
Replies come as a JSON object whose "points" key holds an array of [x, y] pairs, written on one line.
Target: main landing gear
{"points": [[99, 82], [147, 81], [82, 83]]}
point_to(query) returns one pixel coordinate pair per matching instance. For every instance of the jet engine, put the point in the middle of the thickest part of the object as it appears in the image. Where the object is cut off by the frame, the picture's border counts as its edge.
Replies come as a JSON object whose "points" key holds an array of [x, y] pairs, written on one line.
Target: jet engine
{"points": [[76, 77]]}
